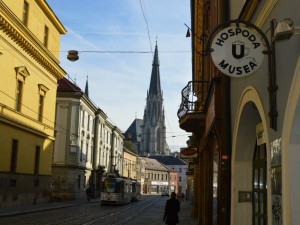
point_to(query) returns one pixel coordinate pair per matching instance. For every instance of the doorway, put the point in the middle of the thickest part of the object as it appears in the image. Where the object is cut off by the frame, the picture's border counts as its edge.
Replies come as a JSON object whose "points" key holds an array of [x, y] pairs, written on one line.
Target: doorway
{"points": [[259, 190]]}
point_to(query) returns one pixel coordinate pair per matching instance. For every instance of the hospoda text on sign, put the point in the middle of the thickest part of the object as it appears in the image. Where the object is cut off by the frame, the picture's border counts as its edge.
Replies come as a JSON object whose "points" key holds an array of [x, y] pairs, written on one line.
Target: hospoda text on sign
{"points": [[237, 51]]}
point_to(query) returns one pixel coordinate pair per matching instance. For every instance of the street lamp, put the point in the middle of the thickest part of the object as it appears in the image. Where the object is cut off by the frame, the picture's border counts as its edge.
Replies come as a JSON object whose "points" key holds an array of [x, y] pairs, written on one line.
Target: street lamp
{"points": [[72, 55]]}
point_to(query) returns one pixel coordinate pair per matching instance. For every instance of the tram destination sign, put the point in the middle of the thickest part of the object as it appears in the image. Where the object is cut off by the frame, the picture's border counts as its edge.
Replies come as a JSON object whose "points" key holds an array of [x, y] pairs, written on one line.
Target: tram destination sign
{"points": [[237, 51], [188, 153]]}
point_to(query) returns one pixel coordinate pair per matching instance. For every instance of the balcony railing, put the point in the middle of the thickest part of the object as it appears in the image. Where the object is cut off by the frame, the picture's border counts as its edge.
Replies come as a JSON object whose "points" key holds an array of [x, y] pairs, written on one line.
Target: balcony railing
{"points": [[193, 98]]}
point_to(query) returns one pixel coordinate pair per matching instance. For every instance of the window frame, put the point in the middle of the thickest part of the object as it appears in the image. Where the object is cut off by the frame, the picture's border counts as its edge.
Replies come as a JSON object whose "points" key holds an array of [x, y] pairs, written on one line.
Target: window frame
{"points": [[46, 36], [19, 95], [25, 13], [14, 155], [37, 159]]}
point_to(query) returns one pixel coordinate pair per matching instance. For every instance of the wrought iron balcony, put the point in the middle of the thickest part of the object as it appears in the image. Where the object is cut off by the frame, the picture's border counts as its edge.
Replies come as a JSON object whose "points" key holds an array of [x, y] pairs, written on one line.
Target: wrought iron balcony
{"points": [[193, 98]]}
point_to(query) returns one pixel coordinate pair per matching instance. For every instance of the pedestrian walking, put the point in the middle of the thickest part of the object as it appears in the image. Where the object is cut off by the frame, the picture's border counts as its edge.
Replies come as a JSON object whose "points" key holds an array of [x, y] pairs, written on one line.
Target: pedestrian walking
{"points": [[88, 193], [182, 196], [171, 210]]}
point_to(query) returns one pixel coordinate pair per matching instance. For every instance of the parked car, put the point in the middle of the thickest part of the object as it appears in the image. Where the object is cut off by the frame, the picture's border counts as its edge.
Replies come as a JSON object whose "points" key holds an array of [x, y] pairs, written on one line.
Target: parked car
{"points": [[164, 193]]}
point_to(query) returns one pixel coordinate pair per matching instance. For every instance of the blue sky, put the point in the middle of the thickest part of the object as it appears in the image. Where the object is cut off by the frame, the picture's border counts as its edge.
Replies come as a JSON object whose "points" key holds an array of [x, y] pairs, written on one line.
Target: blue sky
{"points": [[118, 83]]}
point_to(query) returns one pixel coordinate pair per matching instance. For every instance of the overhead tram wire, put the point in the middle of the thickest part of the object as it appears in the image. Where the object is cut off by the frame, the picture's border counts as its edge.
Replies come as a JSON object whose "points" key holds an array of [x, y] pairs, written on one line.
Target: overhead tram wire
{"points": [[145, 18]]}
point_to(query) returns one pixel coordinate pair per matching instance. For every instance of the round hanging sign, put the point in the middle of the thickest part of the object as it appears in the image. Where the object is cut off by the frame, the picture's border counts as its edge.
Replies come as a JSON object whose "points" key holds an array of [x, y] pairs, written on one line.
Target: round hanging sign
{"points": [[237, 51]]}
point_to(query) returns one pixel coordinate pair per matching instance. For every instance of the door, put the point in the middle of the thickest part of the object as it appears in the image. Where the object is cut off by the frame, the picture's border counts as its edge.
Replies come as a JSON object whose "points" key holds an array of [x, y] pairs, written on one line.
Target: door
{"points": [[259, 206]]}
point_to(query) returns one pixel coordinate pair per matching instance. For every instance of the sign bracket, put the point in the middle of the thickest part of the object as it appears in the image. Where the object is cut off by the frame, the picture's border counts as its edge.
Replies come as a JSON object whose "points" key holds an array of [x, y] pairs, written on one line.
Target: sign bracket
{"points": [[272, 89]]}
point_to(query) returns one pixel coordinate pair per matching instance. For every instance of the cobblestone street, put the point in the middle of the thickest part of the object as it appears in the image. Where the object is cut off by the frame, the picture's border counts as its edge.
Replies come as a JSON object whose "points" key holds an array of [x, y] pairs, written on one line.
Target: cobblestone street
{"points": [[147, 211]]}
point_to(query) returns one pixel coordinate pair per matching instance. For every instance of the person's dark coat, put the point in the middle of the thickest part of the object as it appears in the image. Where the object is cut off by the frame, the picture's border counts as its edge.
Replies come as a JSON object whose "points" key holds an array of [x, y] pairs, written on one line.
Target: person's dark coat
{"points": [[171, 211]]}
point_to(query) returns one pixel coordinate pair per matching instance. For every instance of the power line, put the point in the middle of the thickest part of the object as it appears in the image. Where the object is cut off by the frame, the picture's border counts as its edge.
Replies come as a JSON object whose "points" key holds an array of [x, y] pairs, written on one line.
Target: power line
{"points": [[145, 18]]}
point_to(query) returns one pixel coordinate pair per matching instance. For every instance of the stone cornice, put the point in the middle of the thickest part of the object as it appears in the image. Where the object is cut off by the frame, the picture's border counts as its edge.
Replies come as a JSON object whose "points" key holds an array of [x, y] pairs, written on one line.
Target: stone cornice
{"points": [[13, 27], [51, 15]]}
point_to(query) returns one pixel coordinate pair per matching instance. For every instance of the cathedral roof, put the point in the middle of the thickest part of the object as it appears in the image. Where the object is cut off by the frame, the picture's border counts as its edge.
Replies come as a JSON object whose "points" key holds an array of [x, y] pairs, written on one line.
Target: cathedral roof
{"points": [[169, 160], [136, 130], [154, 88]]}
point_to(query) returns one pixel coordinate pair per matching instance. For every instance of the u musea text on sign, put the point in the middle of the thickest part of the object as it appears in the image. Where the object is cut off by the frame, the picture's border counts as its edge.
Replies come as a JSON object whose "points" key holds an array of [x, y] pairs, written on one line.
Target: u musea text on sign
{"points": [[237, 51]]}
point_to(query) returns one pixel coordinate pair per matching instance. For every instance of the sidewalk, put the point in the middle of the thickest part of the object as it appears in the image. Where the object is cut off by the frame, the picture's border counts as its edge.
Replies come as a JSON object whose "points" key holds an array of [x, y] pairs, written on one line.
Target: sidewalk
{"points": [[185, 214], [5, 212]]}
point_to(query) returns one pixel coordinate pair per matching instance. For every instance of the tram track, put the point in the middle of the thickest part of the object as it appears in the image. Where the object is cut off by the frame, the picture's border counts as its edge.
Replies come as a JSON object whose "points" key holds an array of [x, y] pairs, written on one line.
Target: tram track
{"points": [[108, 215], [121, 217]]}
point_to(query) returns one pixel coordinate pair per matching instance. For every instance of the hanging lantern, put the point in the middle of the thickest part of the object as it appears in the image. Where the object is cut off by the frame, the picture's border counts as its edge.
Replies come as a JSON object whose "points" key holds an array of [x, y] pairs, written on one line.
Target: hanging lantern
{"points": [[72, 55]]}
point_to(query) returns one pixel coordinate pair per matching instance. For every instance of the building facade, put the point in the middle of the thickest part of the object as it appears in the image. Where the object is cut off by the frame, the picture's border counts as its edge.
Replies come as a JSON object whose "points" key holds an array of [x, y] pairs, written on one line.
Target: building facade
{"points": [[265, 119], [156, 177], [205, 111], [30, 70], [86, 145], [130, 160], [179, 166]]}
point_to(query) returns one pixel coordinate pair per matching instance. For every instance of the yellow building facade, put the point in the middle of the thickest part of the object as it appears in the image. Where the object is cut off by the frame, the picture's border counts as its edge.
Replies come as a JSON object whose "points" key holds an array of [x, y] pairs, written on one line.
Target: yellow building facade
{"points": [[29, 49], [129, 164]]}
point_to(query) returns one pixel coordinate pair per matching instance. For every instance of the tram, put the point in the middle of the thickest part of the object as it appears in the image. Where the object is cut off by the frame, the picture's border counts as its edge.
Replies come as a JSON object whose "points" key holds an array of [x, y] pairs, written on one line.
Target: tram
{"points": [[136, 191], [118, 190]]}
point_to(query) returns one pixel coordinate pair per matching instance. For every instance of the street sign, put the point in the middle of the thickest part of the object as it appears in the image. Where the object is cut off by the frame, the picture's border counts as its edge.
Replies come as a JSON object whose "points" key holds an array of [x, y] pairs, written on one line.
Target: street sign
{"points": [[237, 51], [188, 153]]}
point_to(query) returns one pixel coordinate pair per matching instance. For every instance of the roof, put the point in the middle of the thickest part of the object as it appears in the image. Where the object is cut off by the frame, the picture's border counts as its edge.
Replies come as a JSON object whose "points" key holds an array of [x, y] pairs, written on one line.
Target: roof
{"points": [[154, 88], [136, 130], [67, 86], [129, 151], [152, 164], [169, 160]]}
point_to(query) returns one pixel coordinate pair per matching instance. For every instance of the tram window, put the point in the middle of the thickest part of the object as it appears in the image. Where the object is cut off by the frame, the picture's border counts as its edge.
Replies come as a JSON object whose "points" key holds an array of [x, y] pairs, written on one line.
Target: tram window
{"points": [[109, 185]]}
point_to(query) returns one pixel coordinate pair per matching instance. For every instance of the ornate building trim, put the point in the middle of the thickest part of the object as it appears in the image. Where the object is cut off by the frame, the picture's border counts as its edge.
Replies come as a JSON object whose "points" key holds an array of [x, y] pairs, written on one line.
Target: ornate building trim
{"points": [[12, 27]]}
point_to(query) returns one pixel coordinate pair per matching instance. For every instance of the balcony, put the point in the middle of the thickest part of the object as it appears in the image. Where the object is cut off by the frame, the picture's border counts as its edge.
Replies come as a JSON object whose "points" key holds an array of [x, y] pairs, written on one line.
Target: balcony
{"points": [[191, 112]]}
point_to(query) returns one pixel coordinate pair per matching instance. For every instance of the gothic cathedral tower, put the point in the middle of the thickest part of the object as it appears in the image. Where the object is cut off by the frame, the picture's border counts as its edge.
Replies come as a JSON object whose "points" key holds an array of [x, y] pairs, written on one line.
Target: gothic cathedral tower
{"points": [[154, 129]]}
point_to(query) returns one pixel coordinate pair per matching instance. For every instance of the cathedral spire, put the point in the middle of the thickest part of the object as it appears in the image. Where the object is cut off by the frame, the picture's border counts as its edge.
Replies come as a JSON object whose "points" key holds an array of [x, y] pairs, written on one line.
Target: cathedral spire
{"points": [[86, 92], [154, 88]]}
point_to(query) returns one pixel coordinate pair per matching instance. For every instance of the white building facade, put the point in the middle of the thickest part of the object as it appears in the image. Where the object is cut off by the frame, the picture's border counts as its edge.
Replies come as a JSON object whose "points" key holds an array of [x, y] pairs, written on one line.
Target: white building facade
{"points": [[85, 144]]}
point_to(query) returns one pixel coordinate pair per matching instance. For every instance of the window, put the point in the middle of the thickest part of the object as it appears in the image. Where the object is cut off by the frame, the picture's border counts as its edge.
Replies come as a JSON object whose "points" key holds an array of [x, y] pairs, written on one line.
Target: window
{"points": [[19, 95], [82, 124], [42, 93], [14, 153], [37, 159], [78, 184], [180, 170], [179, 179], [92, 156], [81, 147], [25, 13], [157, 176], [46, 32], [41, 106], [88, 126], [86, 152]]}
